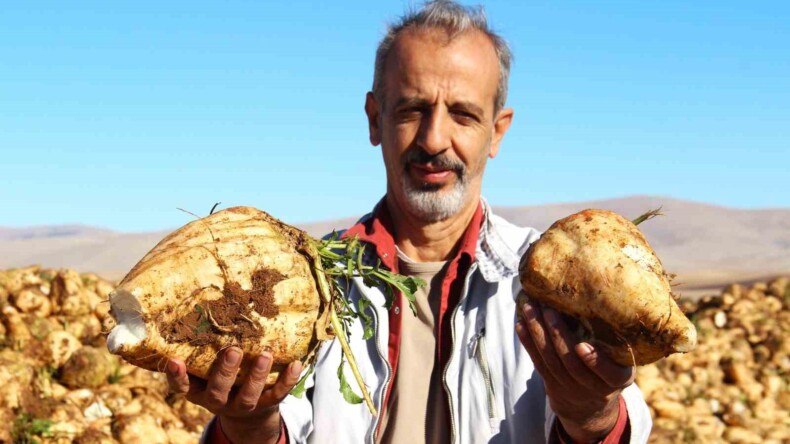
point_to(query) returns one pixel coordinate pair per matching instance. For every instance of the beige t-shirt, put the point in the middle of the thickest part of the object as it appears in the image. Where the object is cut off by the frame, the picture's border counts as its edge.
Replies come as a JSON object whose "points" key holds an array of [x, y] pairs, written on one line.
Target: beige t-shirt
{"points": [[414, 413]]}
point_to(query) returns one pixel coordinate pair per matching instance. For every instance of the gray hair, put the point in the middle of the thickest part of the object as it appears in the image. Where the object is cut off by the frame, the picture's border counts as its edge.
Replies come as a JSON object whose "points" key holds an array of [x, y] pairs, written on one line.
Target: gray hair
{"points": [[454, 19]]}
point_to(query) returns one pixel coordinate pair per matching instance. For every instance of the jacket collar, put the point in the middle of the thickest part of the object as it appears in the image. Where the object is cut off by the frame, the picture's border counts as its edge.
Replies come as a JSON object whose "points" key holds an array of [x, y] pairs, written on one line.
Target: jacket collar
{"points": [[486, 245], [495, 255], [375, 228]]}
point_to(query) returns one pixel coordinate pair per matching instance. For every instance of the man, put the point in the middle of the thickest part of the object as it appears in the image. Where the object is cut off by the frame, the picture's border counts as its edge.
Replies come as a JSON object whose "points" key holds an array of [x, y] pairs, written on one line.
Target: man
{"points": [[458, 371]]}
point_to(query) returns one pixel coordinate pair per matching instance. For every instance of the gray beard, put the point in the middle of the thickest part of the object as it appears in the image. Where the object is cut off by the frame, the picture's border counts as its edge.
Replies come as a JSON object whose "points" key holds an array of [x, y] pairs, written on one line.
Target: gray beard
{"points": [[432, 204]]}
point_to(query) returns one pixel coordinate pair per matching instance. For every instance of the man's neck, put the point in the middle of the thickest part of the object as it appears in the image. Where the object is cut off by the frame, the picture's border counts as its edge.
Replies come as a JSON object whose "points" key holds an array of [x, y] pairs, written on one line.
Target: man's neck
{"points": [[430, 242]]}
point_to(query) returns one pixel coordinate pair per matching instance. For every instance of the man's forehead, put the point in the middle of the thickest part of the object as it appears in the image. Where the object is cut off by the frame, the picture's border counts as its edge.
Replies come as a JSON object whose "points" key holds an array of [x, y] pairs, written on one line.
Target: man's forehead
{"points": [[467, 59]]}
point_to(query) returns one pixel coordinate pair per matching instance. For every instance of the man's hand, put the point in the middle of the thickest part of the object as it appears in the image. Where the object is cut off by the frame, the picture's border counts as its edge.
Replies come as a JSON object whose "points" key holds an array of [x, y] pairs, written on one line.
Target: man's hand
{"points": [[582, 385], [249, 413]]}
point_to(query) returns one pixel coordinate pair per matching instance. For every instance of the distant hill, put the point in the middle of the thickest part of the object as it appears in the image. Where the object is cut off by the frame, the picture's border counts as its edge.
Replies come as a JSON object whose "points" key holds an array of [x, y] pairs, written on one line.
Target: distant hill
{"points": [[49, 232], [706, 245]]}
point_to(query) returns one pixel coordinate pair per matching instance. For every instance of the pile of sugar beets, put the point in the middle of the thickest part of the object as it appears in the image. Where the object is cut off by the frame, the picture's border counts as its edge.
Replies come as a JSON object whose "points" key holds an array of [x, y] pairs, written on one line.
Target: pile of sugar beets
{"points": [[59, 382], [735, 387]]}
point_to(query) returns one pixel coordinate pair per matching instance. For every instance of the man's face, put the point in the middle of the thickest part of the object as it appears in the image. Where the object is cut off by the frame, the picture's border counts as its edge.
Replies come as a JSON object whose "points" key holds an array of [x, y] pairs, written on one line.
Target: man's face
{"points": [[436, 124]]}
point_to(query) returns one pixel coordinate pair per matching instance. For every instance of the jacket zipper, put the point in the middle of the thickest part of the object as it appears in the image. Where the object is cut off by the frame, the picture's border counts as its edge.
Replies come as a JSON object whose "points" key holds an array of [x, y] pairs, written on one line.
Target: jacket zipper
{"points": [[461, 301], [479, 352], [377, 418]]}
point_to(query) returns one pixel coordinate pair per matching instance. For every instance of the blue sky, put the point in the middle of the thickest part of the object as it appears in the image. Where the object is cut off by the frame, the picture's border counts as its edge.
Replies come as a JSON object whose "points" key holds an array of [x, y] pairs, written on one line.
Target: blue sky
{"points": [[115, 113]]}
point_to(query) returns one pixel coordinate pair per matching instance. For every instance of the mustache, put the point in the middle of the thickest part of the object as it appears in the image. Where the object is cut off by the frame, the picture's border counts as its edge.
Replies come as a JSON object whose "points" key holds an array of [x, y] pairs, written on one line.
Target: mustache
{"points": [[441, 161]]}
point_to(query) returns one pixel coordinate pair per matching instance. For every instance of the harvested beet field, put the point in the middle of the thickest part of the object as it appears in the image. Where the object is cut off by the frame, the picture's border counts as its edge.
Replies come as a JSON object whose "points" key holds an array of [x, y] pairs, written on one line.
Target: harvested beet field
{"points": [[735, 387], [59, 382], [60, 385]]}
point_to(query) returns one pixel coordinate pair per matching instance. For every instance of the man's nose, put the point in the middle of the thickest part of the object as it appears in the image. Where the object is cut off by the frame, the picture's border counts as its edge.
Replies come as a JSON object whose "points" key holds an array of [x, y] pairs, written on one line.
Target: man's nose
{"points": [[434, 136]]}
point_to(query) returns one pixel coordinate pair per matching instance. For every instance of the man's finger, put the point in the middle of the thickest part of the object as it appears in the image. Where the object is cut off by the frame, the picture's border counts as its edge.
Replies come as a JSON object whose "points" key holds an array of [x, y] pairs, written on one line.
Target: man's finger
{"points": [[196, 388], [537, 330], [285, 383], [527, 340], [221, 379], [177, 379], [563, 340], [249, 394], [613, 374]]}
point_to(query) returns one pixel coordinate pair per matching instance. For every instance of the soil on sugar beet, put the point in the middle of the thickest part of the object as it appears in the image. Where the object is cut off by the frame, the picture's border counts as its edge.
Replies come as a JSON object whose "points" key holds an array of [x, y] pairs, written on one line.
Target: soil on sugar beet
{"points": [[230, 315]]}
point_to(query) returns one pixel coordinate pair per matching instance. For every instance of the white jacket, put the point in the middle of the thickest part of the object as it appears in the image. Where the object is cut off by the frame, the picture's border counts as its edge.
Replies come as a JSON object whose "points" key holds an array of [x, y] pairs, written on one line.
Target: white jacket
{"points": [[496, 395]]}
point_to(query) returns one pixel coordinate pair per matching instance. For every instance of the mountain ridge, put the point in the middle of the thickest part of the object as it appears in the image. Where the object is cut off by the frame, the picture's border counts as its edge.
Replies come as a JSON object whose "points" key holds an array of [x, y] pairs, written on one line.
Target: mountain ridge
{"points": [[703, 243]]}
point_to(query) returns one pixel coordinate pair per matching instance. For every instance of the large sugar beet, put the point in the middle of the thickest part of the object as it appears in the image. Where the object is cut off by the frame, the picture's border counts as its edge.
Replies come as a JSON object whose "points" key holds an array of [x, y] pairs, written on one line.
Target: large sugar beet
{"points": [[238, 277], [597, 267]]}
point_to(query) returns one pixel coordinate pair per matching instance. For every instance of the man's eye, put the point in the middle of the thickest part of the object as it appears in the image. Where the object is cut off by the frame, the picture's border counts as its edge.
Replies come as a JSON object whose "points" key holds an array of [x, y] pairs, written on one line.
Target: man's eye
{"points": [[410, 112], [465, 116]]}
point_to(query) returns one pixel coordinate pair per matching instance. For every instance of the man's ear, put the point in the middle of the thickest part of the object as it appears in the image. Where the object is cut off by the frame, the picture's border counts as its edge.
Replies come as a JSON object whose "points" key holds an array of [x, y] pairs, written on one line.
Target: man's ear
{"points": [[501, 125], [373, 111]]}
